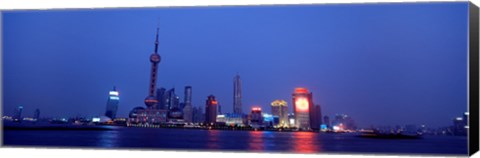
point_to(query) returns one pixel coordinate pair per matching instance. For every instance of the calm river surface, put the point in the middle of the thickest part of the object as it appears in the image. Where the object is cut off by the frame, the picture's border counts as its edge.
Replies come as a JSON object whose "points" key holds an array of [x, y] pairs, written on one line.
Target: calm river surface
{"points": [[218, 140]]}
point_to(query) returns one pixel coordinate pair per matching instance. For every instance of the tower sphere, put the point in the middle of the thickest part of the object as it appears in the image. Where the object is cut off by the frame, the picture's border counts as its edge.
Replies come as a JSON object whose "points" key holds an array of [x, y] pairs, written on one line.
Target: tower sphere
{"points": [[155, 58], [150, 101]]}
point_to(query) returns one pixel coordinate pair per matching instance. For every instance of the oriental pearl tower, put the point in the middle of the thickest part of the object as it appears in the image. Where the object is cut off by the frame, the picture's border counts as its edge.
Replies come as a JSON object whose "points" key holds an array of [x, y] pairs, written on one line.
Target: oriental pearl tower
{"points": [[151, 101]]}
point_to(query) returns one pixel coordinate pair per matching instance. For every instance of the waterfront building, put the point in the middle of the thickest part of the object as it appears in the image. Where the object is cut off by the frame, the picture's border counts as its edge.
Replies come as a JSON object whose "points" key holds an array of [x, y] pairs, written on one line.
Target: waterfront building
{"points": [[303, 108], [36, 114], [161, 98], [291, 120], [211, 110], [17, 116], [187, 110], [141, 115], [237, 95], [326, 121], [112, 103], [135, 112], [316, 117], [231, 119], [175, 112], [256, 118], [280, 109], [343, 122], [269, 120], [198, 115]]}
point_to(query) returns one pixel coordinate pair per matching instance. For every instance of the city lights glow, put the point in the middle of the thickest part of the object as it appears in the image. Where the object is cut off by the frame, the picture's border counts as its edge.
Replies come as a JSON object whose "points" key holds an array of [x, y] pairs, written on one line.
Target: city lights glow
{"points": [[301, 90], [279, 103], [114, 98], [96, 119], [302, 104], [256, 109], [113, 93], [336, 128], [213, 102]]}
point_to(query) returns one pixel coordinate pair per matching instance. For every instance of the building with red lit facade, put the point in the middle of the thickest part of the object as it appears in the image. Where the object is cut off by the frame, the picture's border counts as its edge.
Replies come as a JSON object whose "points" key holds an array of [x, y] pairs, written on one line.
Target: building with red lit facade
{"points": [[255, 117], [211, 110], [302, 108]]}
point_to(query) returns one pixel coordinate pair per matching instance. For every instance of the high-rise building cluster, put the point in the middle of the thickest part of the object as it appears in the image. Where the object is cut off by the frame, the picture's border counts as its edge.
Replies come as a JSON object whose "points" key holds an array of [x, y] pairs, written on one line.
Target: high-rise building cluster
{"points": [[165, 106]]}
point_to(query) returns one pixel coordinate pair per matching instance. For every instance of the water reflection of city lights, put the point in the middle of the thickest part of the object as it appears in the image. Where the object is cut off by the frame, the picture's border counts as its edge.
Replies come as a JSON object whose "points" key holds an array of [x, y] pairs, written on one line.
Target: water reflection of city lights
{"points": [[305, 142], [213, 139], [256, 141], [108, 139]]}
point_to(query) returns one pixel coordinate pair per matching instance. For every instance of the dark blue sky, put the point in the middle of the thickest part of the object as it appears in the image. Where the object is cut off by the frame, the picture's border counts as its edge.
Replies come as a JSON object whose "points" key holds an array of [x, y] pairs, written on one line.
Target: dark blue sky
{"points": [[379, 63]]}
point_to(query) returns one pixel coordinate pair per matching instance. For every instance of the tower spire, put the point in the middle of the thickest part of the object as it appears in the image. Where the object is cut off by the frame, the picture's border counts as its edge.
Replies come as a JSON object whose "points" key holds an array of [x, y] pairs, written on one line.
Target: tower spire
{"points": [[156, 41]]}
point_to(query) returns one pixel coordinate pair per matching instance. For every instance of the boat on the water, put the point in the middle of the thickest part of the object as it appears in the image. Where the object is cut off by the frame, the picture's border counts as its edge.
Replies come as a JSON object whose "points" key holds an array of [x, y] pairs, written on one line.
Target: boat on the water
{"points": [[390, 135]]}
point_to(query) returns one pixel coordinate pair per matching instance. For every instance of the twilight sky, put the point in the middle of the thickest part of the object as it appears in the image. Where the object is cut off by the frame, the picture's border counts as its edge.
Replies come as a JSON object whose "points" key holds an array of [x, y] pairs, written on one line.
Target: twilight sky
{"points": [[382, 64]]}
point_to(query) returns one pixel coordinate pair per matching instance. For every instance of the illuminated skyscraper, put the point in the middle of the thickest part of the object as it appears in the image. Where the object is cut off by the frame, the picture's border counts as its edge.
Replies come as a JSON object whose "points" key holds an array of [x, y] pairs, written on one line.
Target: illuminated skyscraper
{"points": [[211, 110], [302, 107], [112, 103], [280, 109], [172, 100], [150, 100], [188, 110], [161, 98], [237, 95]]}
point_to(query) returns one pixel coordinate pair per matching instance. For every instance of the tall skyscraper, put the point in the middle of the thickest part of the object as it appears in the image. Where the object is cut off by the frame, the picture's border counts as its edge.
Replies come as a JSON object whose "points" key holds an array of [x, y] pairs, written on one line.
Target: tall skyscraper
{"points": [[188, 109], [237, 95], [280, 109], [316, 117], [36, 114], [302, 107], [219, 109], [18, 113], [112, 103], [172, 101], [161, 98], [211, 110], [150, 100], [198, 115]]}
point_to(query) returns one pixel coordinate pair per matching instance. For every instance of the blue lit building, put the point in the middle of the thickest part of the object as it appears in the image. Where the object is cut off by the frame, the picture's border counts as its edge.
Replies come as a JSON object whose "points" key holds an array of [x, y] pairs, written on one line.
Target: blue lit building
{"points": [[231, 119], [112, 103], [161, 98]]}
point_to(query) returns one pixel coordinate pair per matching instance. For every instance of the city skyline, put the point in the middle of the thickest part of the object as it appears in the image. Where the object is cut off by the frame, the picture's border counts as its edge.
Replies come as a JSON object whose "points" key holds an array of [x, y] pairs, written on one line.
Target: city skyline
{"points": [[263, 84]]}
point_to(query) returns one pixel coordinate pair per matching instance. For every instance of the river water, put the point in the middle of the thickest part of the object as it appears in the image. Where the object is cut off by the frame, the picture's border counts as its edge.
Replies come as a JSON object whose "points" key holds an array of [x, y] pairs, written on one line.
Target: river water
{"points": [[219, 140]]}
